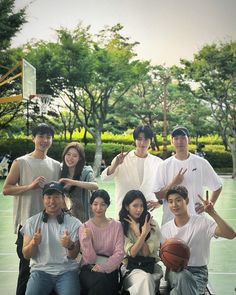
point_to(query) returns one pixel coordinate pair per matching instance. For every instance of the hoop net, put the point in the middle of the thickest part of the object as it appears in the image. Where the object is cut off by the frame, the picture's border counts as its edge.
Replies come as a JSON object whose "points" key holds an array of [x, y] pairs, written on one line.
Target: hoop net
{"points": [[43, 102]]}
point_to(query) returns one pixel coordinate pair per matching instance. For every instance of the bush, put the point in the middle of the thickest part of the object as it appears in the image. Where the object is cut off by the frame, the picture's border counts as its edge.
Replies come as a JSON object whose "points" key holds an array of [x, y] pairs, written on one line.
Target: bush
{"points": [[215, 154]]}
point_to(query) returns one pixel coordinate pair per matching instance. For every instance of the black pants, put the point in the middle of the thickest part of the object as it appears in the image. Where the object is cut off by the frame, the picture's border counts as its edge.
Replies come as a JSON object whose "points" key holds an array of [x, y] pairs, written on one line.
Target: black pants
{"points": [[24, 269], [98, 283]]}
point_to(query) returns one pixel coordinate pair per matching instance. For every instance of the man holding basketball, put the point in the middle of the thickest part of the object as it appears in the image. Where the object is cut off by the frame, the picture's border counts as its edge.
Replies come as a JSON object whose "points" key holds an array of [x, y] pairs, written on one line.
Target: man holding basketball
{"points": [[189, 170], [196, 231]]}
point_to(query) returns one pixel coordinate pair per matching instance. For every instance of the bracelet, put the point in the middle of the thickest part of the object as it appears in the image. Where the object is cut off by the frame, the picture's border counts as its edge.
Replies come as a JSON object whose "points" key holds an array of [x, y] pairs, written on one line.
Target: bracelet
{"points": [[72, 246]]}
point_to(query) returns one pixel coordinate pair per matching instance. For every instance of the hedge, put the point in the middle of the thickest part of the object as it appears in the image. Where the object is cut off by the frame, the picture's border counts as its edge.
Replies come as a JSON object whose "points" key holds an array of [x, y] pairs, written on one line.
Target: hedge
{"points": [[215, 154]]}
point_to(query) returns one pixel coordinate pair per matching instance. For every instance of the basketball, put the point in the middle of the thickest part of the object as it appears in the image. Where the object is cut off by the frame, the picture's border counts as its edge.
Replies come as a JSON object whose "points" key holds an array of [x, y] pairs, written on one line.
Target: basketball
{"points": [[175, 254]]}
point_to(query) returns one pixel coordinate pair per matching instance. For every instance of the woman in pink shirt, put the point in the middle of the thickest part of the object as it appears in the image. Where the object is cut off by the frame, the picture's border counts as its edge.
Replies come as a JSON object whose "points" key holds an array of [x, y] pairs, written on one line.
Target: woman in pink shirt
{"points": [[102, 247]]}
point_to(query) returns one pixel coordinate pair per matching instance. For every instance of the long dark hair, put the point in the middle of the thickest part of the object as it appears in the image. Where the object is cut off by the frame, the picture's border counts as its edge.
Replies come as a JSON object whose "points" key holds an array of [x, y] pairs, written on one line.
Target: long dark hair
{"points": [[79, 166], [123, 214]]}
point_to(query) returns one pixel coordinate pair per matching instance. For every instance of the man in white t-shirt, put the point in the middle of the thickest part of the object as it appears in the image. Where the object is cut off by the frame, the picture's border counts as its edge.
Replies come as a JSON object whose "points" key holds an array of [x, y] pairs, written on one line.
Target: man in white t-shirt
{"points": [[136, 169], [189, 170], [196, 231]]}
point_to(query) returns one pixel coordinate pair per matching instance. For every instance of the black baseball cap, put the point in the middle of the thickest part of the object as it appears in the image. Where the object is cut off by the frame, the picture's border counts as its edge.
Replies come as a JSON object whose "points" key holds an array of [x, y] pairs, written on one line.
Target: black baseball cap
{"points": [[180, 130], [53, 186]]}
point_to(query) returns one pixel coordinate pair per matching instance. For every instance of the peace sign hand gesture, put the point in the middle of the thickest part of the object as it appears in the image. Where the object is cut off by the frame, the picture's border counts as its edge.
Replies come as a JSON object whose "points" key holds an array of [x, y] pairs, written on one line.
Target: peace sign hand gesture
{"points": [[147, 226], [208, 205], [179, 177], [133, 225]]}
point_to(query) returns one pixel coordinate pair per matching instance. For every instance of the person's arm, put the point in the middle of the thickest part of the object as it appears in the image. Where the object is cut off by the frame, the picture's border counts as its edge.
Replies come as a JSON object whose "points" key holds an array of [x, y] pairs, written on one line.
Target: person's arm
{"points": [[118, 160], [215, 195], [86, 245], [11, 185], [140, 243], [178, 179], [30, 245], [223, 229], [72, 247], [83, 184], [117, 245]]}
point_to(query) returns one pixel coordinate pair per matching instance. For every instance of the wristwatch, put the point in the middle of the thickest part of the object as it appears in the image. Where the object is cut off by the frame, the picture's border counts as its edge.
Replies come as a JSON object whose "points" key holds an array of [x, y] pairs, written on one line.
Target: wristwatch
{"points": [[72, 246]]}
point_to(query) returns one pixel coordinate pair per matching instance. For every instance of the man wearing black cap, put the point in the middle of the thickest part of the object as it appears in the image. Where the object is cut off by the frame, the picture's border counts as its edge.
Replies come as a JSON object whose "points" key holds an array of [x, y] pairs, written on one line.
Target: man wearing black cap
{"points": [[51, 243], [186, 169]]}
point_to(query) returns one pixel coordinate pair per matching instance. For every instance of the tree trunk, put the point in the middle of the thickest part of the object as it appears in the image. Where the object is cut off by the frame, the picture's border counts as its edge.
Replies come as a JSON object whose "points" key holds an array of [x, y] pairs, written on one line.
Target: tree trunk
{"points": [[98, 154]]}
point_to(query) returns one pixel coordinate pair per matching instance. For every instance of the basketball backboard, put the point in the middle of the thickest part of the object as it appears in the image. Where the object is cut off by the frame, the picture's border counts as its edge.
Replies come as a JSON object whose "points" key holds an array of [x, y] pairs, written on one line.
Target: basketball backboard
{"points": [[28, 79]]}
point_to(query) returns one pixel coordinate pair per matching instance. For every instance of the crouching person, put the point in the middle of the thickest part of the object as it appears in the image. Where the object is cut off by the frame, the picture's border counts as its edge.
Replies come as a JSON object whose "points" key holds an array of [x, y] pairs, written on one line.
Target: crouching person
{"points": [[141, 270], [51, 243], [102, 247], [196, 231]]}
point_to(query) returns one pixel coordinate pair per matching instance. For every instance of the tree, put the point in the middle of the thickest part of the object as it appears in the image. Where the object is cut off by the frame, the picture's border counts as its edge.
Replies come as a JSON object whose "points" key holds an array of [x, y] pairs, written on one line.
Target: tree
{"points": [[91, 74], [10, 23], [214, 71]]}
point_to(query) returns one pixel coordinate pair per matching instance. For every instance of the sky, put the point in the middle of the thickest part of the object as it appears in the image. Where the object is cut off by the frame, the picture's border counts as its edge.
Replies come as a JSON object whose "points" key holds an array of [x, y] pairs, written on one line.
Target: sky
{"points": [[167, 30]]}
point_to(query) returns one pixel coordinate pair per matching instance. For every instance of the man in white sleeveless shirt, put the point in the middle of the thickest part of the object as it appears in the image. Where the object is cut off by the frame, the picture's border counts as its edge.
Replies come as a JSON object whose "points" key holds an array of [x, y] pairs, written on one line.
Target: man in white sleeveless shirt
{"points": [[25, 181]]}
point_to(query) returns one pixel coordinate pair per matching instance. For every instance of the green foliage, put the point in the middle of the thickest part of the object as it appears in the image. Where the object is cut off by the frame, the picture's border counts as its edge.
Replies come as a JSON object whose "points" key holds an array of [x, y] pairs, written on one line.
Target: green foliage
{"points": [[215, 154], [10, 22]]}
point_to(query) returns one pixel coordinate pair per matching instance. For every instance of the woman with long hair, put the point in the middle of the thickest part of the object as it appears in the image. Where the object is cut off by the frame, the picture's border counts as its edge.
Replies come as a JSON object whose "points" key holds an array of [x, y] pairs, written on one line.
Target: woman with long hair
{"points": [[141, 271], [102, 248], [78, 180]]}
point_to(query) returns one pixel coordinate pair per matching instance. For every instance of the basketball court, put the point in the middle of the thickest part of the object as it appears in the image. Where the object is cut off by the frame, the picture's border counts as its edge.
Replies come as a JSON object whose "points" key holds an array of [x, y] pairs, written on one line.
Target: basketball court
{"points": [[222, 267]]}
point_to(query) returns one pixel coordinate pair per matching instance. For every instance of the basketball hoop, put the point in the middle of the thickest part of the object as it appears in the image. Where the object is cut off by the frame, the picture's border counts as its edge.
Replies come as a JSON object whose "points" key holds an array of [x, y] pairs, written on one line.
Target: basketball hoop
{"points": [[43, 102]]}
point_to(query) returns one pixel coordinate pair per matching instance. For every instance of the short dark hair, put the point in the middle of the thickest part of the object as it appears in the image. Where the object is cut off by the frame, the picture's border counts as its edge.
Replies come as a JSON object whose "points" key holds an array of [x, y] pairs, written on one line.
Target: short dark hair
{"points": [[100, 193], [43, 128], [178, 189], [145, 129]]}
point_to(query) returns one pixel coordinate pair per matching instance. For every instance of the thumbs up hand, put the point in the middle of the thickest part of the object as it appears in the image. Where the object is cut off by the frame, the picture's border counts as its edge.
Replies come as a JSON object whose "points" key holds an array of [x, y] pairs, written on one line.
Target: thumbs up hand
{"points": [[66, 241], [37, 237], [87, 232]]}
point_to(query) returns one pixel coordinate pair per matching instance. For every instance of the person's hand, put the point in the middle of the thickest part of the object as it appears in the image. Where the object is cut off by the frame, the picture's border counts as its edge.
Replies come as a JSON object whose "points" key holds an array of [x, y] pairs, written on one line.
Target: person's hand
{"points": [[152, 205], [207, 205], [178, 179], [66, 240], [67, 182], [120, 158], [37, 237], [95, 268], [146, 226], [134, 226], [199, 207], [87, 232], [38, 182]]}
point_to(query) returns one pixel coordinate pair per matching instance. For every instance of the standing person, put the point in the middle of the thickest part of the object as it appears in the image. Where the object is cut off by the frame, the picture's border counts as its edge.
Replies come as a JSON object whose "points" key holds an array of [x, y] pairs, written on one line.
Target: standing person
{"points": [[136, 169], [51, 243], [196, 231], [78, 179], [102, 248], [25, 180], [142, 242], [189, 170]]}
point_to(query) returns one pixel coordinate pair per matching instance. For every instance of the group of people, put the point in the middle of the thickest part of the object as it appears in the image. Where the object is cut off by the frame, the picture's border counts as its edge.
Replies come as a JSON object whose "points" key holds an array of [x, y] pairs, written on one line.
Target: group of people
{"points": [[74, 248]]}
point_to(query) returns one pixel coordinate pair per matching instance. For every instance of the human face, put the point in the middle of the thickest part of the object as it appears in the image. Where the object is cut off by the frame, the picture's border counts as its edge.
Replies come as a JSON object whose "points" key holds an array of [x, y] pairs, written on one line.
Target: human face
{"points": [[180, 142], [99, 207], [177, 204], [53, 203], [42, 142], [135, 209], [71, 157], [142, 144]]}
